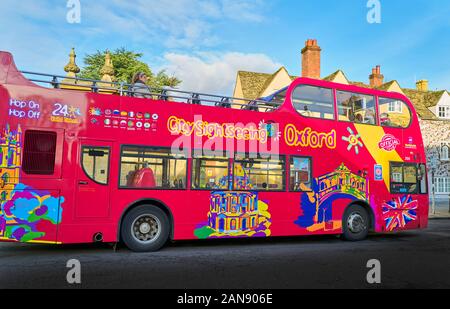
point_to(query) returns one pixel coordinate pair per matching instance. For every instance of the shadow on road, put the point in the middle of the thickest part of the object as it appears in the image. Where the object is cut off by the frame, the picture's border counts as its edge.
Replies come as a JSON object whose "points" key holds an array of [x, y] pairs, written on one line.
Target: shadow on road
{"points": [[14, 248]]}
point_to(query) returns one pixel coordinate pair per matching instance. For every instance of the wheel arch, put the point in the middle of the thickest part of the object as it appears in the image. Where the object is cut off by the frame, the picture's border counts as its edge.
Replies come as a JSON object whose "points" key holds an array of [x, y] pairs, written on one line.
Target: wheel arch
{"points": [[149, 202], [369, 210]]}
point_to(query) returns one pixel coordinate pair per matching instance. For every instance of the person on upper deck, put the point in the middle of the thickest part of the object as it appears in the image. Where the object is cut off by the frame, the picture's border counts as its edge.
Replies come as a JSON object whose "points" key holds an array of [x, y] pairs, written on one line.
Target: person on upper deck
{"points": [[140, 88]]}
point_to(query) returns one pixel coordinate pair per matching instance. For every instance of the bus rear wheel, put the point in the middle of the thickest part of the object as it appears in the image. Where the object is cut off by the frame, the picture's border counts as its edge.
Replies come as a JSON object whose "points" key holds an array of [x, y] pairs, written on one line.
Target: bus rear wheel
{"points": [[145, 229], [355, 224]]}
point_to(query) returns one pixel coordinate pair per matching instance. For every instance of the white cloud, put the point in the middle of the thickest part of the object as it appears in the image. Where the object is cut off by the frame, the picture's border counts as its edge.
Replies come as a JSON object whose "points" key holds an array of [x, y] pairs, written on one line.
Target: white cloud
{"points": [[215, 73], [175, 23], [38, 35]]}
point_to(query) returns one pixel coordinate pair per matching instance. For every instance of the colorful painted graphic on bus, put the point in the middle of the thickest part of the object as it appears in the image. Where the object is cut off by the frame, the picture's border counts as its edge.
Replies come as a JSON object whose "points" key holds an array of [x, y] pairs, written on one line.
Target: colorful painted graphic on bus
{"points": [[235, 214], [399, 212], [317, 205], [23, 210]]}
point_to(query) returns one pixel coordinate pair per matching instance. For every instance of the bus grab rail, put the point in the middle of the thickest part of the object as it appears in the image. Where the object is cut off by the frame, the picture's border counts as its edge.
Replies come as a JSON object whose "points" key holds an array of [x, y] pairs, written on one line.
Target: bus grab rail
{"points": [[164, 94]]}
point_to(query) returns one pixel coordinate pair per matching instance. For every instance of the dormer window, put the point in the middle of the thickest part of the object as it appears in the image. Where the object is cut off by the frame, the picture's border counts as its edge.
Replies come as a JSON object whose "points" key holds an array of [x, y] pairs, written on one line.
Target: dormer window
{"points": [[444, 112]]}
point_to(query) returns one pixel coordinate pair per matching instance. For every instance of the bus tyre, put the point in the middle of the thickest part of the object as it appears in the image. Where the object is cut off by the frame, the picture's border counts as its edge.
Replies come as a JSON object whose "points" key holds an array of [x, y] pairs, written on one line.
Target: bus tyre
{"points": [[145, 229], [355, 224]]}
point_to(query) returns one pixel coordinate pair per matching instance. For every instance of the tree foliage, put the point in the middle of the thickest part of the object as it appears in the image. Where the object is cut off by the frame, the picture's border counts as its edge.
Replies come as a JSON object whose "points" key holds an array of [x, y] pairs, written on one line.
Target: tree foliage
{"points": [[126, 64]]}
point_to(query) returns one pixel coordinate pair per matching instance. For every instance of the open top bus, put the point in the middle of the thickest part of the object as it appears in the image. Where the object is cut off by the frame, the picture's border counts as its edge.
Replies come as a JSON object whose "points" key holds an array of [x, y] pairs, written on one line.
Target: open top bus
{"points": [[104, 166]]}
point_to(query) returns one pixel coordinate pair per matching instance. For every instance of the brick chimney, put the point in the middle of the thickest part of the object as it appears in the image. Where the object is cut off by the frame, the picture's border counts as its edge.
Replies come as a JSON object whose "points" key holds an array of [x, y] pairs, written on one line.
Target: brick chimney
{"points": [[422, 85], [376, 78], [311, 60]]}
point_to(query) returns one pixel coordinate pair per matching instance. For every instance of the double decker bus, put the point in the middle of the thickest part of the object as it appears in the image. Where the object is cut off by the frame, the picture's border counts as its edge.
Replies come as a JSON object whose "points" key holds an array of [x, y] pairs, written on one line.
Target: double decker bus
{"points": [[314, 158]]}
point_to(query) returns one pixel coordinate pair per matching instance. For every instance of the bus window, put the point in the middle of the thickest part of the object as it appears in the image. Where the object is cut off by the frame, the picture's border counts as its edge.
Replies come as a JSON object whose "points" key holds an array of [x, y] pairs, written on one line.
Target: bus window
{"points": [[39, 153], [314, 102], [355, 107], [300, 174], [404, 178], [210, 173], [259, 174], [394, 113], [152, 168], [95, 162]]}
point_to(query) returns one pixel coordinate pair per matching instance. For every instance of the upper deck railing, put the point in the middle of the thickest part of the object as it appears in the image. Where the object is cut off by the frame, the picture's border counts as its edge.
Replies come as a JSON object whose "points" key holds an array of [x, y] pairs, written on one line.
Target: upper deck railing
{"points": [[163, 94]]}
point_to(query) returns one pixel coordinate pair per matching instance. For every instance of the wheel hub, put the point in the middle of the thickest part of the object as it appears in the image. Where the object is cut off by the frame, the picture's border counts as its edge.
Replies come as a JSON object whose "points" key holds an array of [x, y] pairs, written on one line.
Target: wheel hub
{"points": [[356, 223], [146, 228]]}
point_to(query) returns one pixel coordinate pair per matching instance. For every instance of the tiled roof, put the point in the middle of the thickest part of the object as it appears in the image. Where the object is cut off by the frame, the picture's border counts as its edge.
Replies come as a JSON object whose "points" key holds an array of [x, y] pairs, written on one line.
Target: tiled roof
{"points": [[252, 83], [360, 84], [332, 76], [422, 101], [387, 85], [269, 80]]}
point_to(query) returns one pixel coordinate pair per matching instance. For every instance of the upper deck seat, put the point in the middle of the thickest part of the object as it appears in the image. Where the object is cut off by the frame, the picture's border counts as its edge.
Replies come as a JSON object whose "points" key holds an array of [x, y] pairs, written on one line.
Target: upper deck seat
{"points": [[144, 178]]}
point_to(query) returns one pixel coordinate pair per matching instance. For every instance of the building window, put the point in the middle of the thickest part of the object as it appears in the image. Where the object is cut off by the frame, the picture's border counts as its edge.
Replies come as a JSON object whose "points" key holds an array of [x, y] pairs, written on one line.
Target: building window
{"points": [[152, 168], [314, 102], [39, 153], [394, 113], [300, 174], [210, 173], [355, 107], [395, 106], [259, 174], [95, 162], [404, 178], [444, 112], [445, 152], [442, 185]]}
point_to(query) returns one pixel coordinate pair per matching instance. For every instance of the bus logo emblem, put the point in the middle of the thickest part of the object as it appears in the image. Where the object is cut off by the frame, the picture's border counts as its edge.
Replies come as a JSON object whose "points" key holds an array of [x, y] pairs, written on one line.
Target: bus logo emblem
{"points": [[389, 142]]}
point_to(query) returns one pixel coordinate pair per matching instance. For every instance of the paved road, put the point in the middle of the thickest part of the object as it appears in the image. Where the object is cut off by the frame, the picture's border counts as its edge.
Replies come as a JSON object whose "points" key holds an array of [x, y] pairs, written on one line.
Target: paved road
{"points": [[416, 259]]}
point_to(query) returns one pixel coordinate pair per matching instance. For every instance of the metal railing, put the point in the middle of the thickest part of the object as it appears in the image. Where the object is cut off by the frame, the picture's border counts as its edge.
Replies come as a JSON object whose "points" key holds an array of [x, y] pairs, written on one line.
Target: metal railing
{"points": [[163, 94]]}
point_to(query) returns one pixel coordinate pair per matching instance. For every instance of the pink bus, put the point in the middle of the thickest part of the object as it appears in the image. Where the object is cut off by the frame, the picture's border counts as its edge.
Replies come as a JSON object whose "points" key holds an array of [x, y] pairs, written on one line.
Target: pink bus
{"points": [[105, 166]]}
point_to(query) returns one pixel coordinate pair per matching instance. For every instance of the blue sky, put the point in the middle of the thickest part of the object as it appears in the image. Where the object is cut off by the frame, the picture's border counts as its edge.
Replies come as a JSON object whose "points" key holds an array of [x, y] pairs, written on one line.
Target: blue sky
{"points": [[205, 42]]}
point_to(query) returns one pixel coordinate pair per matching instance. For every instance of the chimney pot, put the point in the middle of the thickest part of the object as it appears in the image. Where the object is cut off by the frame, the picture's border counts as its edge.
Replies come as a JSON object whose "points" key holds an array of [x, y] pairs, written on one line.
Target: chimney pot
{"points": [[422, 85], [376, 79]]}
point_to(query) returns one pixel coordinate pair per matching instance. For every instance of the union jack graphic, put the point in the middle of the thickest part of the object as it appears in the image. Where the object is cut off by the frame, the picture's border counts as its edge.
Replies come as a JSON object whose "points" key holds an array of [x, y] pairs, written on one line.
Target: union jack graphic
{"points": [[399, 212]]}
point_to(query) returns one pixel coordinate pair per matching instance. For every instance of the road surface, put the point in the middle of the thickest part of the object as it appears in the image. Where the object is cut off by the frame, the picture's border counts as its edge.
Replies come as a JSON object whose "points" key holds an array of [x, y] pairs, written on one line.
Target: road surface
{"points": [[414, 259]]}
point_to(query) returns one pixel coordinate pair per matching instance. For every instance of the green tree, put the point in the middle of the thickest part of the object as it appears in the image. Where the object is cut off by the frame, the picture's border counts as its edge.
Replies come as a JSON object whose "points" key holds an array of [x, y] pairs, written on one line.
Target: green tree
{"points": [[126, 64]]}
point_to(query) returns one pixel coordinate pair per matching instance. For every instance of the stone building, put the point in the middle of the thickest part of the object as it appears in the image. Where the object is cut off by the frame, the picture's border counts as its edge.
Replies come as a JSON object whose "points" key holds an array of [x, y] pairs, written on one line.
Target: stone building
{"points": [[433, 107]]}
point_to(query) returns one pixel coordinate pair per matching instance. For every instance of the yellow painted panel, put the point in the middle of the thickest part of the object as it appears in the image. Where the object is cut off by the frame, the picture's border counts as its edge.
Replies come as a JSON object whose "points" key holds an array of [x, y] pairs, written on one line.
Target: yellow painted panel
{"points": [[371, 136]]}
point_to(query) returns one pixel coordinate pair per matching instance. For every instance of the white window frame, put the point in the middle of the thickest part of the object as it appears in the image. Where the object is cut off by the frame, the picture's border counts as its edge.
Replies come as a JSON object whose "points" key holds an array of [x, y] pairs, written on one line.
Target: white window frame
{"points": [[395, 107], [444, 153], [444, 112], [442, 185]]}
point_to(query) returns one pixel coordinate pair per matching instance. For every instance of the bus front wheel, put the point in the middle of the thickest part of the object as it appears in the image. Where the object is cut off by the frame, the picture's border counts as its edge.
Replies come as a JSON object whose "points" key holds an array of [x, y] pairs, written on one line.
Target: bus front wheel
{"points": [[145, 229], [355, 224]]}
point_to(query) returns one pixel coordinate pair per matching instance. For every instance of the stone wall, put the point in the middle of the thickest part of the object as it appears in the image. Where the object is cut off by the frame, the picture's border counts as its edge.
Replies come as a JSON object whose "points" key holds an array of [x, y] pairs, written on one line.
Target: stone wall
{"points": [[435, 133]]}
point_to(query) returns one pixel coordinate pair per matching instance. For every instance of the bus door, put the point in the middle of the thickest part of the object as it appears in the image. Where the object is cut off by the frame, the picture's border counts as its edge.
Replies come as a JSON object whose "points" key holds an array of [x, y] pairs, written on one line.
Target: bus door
{"points": [[93, 179]]}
